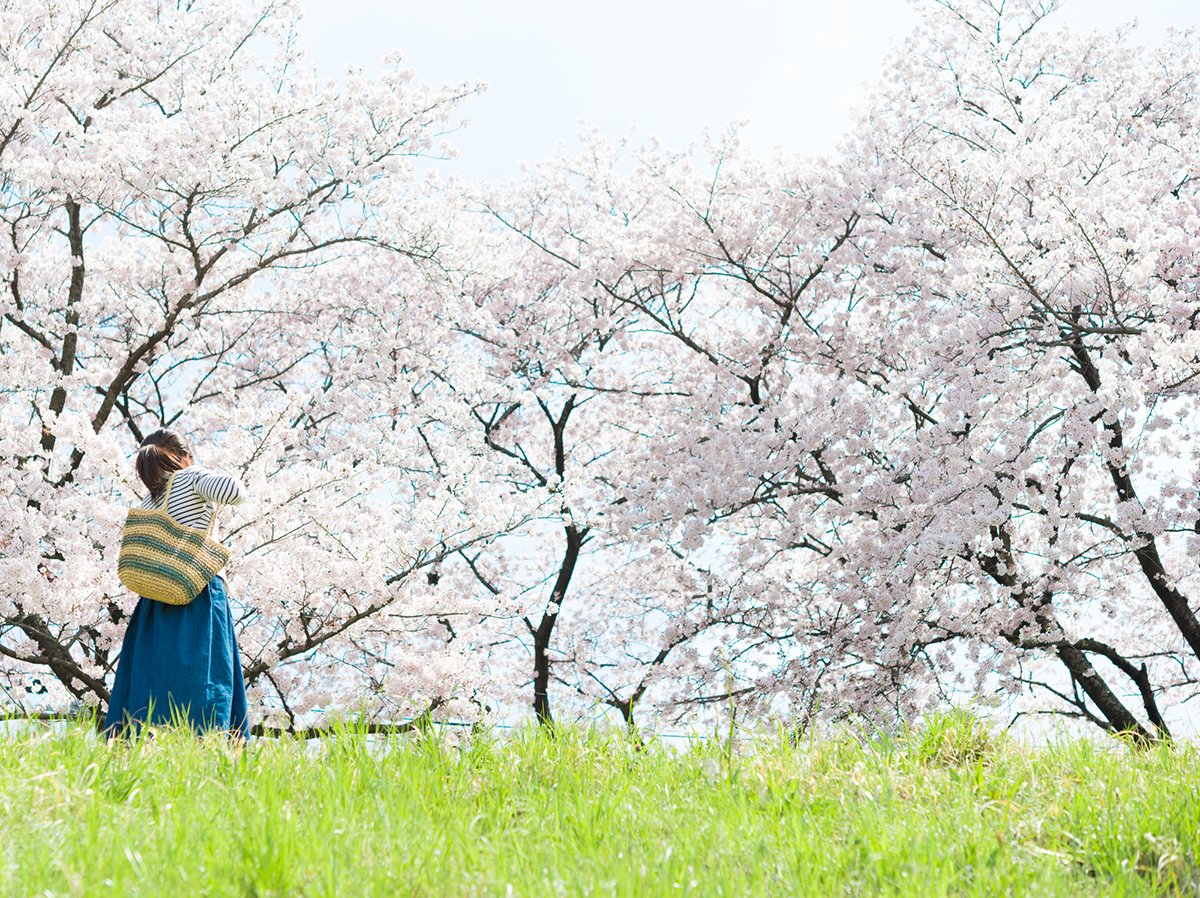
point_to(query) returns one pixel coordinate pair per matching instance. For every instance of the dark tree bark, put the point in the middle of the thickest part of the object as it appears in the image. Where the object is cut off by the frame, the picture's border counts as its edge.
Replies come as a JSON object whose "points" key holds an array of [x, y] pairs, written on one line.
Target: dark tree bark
{"points": [[1146, 548], [545, 629], [576, 536], [65, 363]]}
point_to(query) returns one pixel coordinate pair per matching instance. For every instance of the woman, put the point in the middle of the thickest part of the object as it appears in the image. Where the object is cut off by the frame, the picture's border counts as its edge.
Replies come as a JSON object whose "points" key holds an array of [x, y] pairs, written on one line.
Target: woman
{"points": [[179, 663]]}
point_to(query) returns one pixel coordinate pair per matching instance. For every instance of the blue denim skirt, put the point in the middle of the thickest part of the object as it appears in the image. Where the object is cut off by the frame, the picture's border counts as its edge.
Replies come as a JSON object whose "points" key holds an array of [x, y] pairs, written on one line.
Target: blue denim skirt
{"points": [[180, 664]]}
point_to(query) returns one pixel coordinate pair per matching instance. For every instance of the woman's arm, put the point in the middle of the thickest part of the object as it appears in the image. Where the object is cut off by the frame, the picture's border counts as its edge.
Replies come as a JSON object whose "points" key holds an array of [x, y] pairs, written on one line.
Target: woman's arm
{"points": [[219, 489]]}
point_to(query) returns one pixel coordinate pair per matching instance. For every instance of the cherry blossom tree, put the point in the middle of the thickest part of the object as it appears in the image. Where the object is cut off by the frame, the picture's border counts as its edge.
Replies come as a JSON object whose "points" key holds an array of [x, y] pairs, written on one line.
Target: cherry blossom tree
{"points": [[653, 618], [965, 355], [558, 397], [199, 234], [1043, 184]]}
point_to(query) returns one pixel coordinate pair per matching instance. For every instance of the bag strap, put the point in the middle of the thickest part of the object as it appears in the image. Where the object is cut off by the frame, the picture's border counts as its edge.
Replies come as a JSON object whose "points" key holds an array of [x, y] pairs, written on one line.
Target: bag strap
{"points": [[167, 494]]}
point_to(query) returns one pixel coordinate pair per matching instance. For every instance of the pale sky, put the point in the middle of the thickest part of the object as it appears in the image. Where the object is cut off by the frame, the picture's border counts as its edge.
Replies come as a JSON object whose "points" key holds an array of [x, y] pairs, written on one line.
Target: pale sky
{"points": [[671, 67]]}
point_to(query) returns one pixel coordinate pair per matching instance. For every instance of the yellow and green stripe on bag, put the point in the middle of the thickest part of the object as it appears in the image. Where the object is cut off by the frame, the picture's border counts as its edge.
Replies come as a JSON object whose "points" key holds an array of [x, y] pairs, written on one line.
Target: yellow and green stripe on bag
{"points": [[164, 560]]}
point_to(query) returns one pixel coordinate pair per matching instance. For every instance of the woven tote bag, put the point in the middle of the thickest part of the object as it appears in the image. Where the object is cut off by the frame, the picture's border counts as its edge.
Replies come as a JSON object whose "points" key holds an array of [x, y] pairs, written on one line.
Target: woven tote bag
{"points": [[164, 560]]}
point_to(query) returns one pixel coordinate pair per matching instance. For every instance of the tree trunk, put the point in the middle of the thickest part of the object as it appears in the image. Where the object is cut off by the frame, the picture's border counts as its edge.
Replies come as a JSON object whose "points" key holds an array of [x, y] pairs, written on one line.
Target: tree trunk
{"points": [[541, 636]]}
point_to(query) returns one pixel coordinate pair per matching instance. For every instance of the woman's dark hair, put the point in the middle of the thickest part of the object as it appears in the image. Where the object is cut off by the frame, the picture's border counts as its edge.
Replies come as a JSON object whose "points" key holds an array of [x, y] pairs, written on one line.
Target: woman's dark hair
{"points": [[160, 455]]}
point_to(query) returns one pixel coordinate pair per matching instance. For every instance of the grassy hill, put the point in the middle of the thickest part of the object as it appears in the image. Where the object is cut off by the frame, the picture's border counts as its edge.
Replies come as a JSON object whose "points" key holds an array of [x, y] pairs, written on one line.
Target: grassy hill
{"points": [[949, 810]]}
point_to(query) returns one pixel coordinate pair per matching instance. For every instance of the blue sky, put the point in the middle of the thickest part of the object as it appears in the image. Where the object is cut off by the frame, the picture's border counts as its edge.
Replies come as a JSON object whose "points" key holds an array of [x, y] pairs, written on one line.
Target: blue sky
{"points": [[792, 68]]}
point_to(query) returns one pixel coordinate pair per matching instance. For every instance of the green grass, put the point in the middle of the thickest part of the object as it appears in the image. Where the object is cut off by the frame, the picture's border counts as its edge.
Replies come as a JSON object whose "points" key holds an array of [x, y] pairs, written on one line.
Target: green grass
{"points": [[949, 810]]}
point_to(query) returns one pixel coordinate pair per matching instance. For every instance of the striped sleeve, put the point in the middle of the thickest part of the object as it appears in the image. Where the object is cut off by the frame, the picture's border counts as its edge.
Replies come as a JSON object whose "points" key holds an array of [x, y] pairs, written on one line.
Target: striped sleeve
{"points": [[219, 489]]}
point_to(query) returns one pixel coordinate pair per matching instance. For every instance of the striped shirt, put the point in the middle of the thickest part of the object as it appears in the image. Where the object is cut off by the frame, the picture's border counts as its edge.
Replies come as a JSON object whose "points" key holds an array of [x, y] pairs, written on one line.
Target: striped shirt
{"points": [[196, 493]]}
